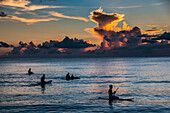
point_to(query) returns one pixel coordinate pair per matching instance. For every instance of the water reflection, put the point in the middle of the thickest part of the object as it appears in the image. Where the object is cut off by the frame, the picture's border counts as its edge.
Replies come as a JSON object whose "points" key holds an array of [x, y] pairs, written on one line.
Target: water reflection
{"points": [[43, 88], [146, 82]]}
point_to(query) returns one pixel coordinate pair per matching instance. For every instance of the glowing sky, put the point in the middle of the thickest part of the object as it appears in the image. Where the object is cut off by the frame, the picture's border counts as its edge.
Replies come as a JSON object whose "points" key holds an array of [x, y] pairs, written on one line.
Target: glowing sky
{"points": [[33, 20]]}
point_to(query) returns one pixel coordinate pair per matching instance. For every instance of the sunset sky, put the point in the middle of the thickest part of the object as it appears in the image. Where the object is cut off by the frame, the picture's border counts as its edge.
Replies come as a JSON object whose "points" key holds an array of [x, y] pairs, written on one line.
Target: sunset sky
{"points": [[44, 20], [74, 18]]}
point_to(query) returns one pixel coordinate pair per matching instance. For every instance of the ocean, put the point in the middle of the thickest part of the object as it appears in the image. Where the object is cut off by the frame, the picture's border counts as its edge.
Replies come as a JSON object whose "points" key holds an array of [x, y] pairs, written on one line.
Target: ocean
{"points": [[147, 80]]}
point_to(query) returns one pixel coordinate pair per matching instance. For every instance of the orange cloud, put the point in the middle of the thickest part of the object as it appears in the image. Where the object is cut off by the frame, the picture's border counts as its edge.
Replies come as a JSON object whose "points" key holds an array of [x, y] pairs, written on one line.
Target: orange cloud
{"points": [[165, 26], [88, 41], [151, 25], [94, 33], [56, 14], [36, 7], [125, 26], [16, 3], [153, 30], [104, 20], [24, 4], [29, 21]]}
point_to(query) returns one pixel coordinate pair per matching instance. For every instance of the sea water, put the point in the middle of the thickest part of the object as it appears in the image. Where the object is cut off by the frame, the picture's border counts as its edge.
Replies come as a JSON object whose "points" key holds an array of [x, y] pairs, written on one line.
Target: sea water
{"points": [[147, 80]]}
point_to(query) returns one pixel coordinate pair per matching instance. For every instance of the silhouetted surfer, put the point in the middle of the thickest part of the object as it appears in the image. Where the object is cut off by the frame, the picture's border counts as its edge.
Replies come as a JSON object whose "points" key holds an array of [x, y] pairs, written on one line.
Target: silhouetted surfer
{"points": [[72, 77], [112, 95], [29, 71], [43, 79], [68, 76]]}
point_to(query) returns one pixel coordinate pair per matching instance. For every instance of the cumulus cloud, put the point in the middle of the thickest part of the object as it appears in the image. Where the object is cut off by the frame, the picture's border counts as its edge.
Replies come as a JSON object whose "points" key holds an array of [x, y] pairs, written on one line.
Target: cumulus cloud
{"points": [[113, 37], [105, 20], [67, 43], [165, 36], [28, 21], [3, 44], [56, 14], [66, 46], [108, 32]]}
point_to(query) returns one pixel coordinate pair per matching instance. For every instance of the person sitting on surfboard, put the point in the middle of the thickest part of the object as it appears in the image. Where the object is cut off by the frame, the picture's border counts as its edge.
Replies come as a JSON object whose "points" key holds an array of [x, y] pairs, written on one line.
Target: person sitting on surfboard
{"points": [[43, 79], [112, 95], [72, 77], [29, 71], [68, 76]]}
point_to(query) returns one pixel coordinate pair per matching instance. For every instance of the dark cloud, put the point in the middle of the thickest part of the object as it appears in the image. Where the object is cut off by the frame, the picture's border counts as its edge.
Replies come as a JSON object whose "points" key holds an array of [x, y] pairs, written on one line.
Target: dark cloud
{"points": [[67, 43], [153, 30], [121, 38], [149, 41], [3, 44], [111, 35], [52, 47], [165, 36], [2, 14], [23, 44], [104, 19], [146, 35]]}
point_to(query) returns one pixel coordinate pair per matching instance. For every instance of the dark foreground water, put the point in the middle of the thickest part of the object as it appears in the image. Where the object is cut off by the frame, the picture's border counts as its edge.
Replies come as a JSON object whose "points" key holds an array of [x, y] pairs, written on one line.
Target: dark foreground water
{"points": [[147, 80]]}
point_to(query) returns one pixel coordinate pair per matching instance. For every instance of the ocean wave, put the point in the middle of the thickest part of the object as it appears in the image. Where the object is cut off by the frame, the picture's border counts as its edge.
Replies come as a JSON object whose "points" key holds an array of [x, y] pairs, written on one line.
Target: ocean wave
{"points": [[151, 82]]}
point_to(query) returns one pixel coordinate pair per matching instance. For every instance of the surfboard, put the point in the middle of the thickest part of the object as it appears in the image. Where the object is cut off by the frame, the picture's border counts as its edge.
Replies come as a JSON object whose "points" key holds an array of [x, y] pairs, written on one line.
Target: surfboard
{"points": [[46, 82], [123, 99], [126, 99], [30, 73], [73, 78]]}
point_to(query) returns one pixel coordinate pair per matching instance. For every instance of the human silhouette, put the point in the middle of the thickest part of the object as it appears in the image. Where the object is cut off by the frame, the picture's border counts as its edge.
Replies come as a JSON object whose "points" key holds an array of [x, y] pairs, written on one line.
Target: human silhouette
{"points": [[112, 94], [29, 71], [72, 76], [43, 79], [68, 76], [113, 97]]}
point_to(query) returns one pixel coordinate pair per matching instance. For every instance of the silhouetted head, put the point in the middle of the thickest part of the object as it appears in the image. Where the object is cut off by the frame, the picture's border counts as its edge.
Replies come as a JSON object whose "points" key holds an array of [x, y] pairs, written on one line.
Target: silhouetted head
{"points": [[29, 68], [110, 86], [43, 75]]}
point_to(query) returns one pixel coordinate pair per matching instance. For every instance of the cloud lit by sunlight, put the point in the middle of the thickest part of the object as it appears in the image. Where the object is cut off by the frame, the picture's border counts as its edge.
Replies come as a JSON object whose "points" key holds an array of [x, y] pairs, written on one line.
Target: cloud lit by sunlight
{"points": [[36, 7], [151, 25], [29, 21], [24, 4], [16, 3], [104, 20], [153, 30], [56, 14], [109, 34]]}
